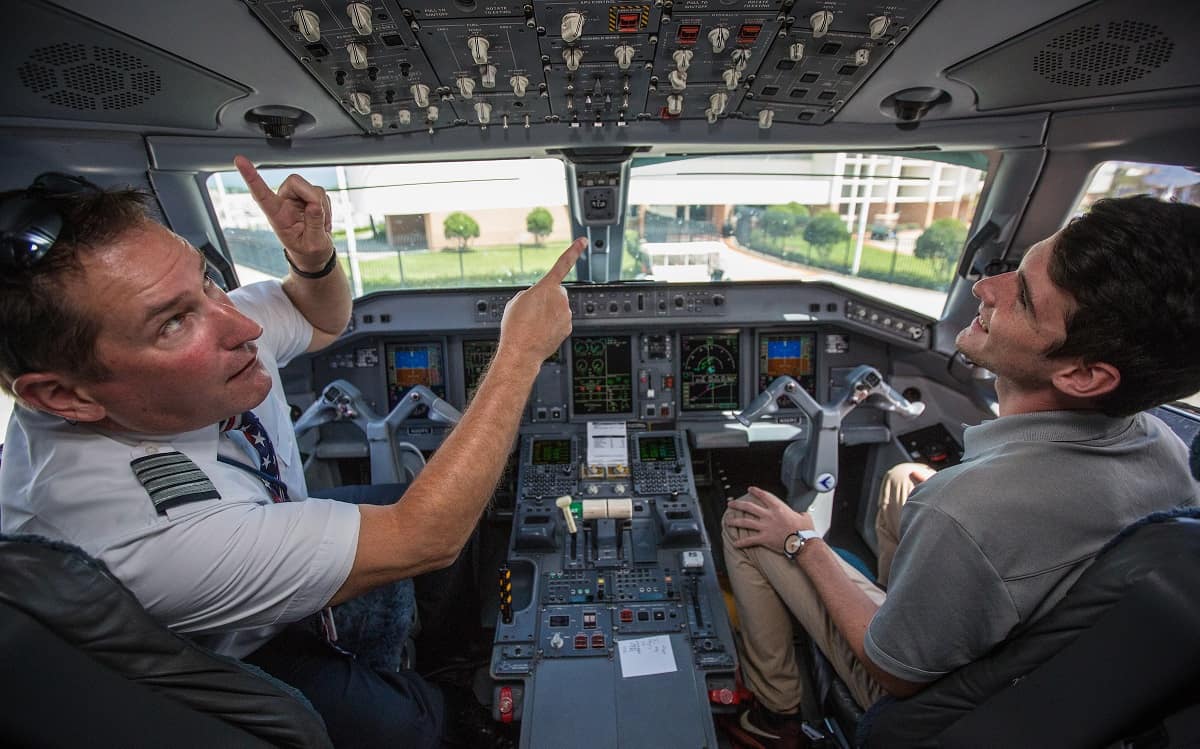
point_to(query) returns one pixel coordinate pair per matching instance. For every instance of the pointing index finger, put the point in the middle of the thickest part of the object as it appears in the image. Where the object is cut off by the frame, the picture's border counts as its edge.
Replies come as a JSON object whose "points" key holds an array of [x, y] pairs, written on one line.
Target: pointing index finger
{"points": [[565, 262], [259, 189]]}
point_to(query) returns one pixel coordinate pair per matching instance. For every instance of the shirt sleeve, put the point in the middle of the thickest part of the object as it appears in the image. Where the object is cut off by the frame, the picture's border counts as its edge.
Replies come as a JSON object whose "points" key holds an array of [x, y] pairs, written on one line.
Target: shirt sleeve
{"points": [[946, 605], [241, 565], [286, 332]]}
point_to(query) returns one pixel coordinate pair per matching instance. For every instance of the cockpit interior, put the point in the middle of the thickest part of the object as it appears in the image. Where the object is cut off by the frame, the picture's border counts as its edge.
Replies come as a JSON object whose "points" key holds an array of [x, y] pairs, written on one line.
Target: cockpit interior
{"points": [[786, 205]]}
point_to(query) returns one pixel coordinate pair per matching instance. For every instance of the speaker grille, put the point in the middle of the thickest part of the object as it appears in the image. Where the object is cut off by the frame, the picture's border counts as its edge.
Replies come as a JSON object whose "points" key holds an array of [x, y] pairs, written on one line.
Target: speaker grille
{"points": [[1103, 55], [89, 78]]}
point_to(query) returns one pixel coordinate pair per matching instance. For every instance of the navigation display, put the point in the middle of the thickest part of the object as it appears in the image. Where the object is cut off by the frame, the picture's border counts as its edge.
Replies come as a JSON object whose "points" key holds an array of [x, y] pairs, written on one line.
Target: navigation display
{"points": [[602, 375], [709, 375], [656, 449], [551, 452], [411, 364], [476, 357], [791, 354]]}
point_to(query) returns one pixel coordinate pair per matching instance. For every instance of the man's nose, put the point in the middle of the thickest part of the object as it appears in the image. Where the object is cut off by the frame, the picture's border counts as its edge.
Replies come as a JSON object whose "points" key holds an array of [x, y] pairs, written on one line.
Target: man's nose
{"points": [[985, 288], [237, 329]]}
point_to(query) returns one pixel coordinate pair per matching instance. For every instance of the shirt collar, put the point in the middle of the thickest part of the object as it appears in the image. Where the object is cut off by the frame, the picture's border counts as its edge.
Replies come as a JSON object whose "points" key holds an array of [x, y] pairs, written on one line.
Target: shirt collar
{"points": [[1042, 426], [201, 441]]}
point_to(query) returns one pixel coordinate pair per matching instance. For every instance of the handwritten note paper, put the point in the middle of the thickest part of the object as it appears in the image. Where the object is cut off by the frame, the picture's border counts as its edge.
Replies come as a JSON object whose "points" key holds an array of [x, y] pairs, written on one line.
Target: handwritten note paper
{"points": [[646, 655]]}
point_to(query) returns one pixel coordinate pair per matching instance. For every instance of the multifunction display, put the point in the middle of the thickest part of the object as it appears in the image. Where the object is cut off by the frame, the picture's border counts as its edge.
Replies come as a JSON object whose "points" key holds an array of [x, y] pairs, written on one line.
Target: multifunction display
{"points": [[656, 449], [791, 354], [602, 375], [411, 364], [551, 452], [709, 372]]}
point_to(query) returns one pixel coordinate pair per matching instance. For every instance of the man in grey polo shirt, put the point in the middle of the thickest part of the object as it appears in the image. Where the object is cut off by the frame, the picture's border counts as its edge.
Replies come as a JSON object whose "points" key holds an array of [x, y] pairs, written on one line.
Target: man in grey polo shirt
{"points": [[1083, 337]]}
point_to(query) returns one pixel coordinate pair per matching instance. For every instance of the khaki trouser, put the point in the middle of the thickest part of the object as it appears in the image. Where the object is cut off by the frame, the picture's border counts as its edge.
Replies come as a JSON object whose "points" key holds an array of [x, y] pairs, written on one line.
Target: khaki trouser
{"points": [[767, 586], [893, 493]]}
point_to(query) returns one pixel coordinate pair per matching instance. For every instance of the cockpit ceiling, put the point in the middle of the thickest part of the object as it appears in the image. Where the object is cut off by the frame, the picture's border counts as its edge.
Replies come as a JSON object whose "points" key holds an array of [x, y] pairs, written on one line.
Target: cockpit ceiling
{"points": [[588, 70]]}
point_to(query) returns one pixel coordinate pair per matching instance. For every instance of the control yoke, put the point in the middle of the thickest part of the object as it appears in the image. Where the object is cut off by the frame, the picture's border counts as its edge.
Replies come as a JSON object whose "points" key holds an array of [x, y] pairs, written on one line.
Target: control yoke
{"points": [[341, 401], [810, 466]]}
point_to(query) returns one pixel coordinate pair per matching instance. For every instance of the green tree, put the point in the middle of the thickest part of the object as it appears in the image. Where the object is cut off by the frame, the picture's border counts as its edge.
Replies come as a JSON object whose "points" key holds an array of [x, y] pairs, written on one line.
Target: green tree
{"points": [[462, 227], [825, 230], [539, 223], [941, 244], [778, 222], [800, 211]]}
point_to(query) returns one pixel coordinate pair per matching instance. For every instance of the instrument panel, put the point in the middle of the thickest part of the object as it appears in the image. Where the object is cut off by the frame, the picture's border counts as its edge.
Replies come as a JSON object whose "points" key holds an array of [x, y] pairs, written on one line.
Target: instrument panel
{"points": [[693, 357]]}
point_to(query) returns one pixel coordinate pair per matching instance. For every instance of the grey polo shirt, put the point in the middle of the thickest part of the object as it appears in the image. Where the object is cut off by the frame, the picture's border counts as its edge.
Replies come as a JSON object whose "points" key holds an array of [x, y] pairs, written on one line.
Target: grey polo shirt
{"points": [[990, 545]]}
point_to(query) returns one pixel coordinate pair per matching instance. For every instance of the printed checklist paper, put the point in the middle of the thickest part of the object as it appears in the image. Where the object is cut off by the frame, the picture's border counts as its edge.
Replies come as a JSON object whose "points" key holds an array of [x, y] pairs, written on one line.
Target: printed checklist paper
{"points": [[646, 656]]}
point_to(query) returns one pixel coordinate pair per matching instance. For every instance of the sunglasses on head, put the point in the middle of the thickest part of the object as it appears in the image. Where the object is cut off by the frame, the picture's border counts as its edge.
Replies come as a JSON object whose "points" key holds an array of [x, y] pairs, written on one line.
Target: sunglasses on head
{"points": [[30, 221]]}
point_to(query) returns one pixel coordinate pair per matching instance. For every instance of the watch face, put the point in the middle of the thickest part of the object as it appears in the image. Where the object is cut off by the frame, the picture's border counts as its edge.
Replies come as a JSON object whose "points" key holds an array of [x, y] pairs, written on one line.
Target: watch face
{"points": [[792, 543]]}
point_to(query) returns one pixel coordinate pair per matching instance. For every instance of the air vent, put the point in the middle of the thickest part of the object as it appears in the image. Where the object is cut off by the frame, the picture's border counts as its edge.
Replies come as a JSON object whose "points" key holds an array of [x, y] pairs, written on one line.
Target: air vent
{"points": [[89, 78], [1110, 54], [60, 65], [1099, 49]]}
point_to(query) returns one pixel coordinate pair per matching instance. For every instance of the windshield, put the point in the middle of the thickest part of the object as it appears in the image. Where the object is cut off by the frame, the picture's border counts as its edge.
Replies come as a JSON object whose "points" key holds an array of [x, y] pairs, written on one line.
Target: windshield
{"points": [[887, 225]]}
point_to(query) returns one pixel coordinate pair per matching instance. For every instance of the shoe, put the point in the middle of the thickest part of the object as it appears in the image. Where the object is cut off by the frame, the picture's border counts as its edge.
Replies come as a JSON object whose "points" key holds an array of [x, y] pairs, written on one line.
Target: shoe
{"points": [[759, 728]]}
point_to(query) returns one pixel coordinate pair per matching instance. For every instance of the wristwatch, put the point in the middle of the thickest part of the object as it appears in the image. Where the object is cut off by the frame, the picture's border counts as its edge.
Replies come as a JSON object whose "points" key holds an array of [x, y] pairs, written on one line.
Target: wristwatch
{"points": [[795, 542]]}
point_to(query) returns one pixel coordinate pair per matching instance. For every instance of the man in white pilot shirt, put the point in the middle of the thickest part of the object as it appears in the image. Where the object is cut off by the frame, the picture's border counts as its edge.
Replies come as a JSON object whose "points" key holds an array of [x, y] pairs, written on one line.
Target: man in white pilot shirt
{"points": [[118, 347]]}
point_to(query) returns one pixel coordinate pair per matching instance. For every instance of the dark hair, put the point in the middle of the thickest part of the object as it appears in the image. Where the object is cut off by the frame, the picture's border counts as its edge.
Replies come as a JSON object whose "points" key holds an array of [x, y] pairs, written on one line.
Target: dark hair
{"points": [[1133, 267], [40, 328]]}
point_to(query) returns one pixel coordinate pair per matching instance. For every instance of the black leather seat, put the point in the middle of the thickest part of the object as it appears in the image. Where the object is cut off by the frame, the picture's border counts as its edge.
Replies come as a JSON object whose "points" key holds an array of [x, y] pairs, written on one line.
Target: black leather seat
{"points": [[83, 664], [1118, 657]]}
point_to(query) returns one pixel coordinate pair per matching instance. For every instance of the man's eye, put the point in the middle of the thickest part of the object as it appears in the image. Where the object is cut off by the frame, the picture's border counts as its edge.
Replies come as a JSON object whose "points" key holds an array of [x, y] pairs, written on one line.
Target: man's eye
{"points": [[172, 326]]}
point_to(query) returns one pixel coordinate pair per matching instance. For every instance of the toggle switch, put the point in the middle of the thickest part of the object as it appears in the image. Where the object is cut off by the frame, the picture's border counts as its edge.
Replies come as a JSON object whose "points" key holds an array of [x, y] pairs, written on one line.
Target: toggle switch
{"points": [[572, 56], [624, 54], [796, 51], [487, 76], [466, 86], [479, 47], [519, 84]]}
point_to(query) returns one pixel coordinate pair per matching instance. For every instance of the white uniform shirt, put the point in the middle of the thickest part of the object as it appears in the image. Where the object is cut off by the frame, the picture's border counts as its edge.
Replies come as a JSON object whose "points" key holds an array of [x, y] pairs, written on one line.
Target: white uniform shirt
{"points": [[229, 571]]}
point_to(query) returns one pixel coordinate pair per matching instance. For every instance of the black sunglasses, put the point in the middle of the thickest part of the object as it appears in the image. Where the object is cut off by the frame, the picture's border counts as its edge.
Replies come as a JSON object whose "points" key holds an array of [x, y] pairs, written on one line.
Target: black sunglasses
{"points": [[30, 222]]}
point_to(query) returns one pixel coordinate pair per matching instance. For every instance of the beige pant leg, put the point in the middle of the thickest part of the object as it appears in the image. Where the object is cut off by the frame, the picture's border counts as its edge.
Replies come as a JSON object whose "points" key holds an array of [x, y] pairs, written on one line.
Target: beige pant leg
{"points": [[893, 493], [769, 589]]}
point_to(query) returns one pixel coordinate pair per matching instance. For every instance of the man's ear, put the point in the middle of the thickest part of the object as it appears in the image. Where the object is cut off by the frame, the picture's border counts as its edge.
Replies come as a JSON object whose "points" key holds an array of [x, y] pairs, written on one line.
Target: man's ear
{"points": [[1087, 381], [54, 394]]}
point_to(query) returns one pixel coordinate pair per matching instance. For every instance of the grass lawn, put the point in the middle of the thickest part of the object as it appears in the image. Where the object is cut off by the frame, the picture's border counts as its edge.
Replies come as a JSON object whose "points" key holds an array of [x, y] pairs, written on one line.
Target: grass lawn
{"points": [[876, 262], [499, 264]]}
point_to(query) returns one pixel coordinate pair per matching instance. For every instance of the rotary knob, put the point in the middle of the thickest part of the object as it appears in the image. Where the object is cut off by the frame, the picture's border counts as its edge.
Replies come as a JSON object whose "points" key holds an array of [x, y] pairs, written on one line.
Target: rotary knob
{"points": [[483, 112], [732, 77], [821, 21], [519, 83], [624, 54], [358, 55], [361, 102], [309, 25], [717, 38], [796, 51], [572, 56], [420, 94], [466, 86], [479, 47], [682, 58], [360, 18], [572, 26]]}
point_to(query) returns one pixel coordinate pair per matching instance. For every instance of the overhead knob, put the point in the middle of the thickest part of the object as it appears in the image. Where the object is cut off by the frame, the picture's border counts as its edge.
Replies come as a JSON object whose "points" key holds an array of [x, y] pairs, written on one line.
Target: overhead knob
{"points": [[358, 55], [675, 104], [624, 54], [309, 25], [717, 102], [420, 94], [796, 51], [678, 80], [711, 116], [717, 38], [487, 76], [682, 58], [766, 118], [821, 21], [466, 86], [404, 117], [572, 56], [483, 112], [862, 56], [361, 102], [479, 49], [572, 26], [360, 18], [431, 114], [878, 26], [519, 83], [740, 57], [376, 121], [732, 77]]}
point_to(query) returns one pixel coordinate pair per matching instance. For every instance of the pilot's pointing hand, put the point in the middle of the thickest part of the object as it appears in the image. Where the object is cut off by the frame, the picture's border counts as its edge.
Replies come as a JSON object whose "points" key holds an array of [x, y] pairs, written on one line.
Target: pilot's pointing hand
{"points": [[538, 319], [300, 213]]}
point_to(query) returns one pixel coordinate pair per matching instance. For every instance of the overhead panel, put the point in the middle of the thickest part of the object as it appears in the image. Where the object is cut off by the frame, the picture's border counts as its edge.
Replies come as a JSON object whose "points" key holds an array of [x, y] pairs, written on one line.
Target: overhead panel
{"points": [[590, 63]]}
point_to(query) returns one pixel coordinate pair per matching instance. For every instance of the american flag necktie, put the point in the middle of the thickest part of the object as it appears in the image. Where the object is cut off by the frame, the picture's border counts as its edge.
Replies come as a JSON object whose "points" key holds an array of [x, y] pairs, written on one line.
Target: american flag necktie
{"points": [[249, 425]]}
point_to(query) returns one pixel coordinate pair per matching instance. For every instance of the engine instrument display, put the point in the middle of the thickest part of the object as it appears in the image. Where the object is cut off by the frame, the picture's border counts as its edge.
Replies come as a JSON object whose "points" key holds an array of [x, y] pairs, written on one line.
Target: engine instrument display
{"points": [[411, 364], [709, 372], [791, 354], [476, 356], [657, 449], [602, 375], [551, 452]]}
